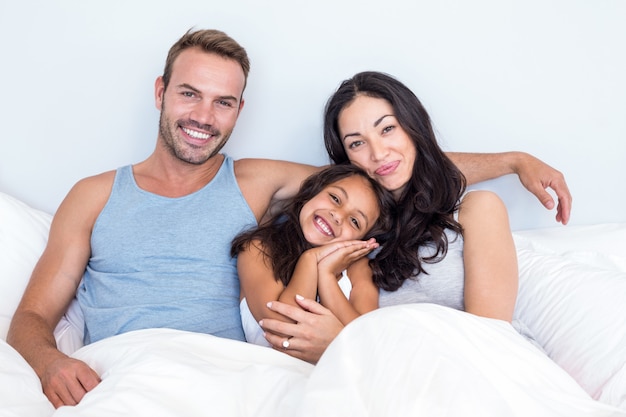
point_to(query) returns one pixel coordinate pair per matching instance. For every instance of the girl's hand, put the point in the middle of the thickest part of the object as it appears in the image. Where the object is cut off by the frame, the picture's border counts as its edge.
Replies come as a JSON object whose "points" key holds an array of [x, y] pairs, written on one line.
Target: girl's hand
{"points": [[335, 257], [321, 252]]}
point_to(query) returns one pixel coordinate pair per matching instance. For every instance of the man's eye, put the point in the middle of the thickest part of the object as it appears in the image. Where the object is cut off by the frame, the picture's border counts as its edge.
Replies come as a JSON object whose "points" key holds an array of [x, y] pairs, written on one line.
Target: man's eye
{"points": [[225, 103], [188, 94]]}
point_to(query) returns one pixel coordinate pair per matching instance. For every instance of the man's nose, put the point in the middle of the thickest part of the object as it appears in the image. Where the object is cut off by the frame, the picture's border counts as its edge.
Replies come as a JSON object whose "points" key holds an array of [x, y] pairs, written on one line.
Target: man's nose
{"points": [[203, 113]]}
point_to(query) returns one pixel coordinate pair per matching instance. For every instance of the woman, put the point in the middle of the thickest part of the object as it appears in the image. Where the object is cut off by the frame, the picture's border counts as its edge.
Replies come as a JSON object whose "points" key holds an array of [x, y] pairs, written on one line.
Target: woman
{"points": [[378, 124], [305, 248], [448, 247]]}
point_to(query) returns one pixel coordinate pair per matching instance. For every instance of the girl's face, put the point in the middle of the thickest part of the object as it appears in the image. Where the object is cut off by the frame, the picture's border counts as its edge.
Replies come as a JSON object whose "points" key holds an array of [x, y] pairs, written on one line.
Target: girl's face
{"points": [[344, 210], [375, 141]]}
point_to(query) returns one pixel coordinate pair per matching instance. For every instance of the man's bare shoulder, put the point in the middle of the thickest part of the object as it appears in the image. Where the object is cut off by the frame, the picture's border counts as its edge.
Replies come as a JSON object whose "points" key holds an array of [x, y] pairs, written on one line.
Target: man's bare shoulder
{"points": [[89, 195], [96, 184], [264, 181]]}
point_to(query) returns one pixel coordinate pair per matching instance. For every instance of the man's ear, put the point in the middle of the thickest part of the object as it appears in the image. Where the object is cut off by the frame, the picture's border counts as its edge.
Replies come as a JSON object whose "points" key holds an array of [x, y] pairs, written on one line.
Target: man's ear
{"points": [[241, 103], [159, 91]]}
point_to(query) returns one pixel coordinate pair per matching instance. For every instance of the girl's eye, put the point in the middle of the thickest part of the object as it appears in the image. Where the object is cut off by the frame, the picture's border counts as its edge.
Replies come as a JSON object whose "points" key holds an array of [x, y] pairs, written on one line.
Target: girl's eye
{"points": [[334, 198], [355, 222]]}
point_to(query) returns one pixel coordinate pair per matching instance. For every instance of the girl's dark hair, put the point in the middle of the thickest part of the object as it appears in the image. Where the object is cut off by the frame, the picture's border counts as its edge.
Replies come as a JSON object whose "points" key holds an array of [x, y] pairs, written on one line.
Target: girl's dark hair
{"points": [[427, 204], [281, 236]]}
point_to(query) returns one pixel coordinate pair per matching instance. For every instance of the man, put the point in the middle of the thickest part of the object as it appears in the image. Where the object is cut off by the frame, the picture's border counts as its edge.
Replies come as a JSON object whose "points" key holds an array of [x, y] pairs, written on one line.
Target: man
{"points": [[148, 245]]}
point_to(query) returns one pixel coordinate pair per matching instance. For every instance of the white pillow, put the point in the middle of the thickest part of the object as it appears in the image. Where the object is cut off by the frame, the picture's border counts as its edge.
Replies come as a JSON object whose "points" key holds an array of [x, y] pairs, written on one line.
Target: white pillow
{"points": [[23, 236], [602, 245], [577, 312]]}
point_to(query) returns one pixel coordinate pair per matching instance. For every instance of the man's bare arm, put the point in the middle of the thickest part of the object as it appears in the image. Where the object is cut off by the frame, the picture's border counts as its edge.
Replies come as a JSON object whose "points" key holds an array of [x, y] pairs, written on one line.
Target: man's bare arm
{"points": [[50, 290], [533, 173], [265, 183]]}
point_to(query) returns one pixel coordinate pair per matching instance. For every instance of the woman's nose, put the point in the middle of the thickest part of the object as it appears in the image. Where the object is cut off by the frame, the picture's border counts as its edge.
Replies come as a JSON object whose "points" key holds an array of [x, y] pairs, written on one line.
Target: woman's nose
{"points": [[378, 151]]}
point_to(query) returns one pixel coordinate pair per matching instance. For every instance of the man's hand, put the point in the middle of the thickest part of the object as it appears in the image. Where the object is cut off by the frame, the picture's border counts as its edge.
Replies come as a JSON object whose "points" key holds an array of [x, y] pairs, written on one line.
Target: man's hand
{"points": [[533, 173], [65, 381], [536, 176], [314, 328]]}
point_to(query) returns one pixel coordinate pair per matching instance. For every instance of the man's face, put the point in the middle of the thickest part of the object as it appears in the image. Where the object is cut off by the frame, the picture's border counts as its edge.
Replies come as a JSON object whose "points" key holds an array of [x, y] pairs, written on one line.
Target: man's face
{"points": [[200, 106]]}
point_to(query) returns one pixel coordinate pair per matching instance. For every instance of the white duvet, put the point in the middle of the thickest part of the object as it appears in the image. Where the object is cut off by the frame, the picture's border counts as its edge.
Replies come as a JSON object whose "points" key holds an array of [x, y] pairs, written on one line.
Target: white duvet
{"points": [[397, 361]]}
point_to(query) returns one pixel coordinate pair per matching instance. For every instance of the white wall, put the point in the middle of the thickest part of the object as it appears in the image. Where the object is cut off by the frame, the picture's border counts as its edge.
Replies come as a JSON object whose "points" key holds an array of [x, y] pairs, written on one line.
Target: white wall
{"points": [[543, 76]]}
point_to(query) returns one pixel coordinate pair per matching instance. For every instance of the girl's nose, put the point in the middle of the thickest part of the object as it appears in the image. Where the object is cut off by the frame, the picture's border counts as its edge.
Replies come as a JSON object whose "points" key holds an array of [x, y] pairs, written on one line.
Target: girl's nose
{"points": [[337, 216]]}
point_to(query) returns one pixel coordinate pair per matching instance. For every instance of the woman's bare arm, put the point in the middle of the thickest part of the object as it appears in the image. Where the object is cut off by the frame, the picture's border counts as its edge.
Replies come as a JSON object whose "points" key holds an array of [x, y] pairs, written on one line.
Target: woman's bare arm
{"points": [[489, 256]]}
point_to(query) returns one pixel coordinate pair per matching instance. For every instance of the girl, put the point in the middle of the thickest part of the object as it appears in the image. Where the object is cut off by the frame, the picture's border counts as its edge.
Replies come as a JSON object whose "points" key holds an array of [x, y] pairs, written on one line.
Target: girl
{"points": [[306, 248]]}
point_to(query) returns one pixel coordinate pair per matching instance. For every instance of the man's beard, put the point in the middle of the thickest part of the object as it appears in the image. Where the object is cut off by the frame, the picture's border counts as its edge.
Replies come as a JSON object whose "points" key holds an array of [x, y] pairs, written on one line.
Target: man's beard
{"points": [[185, 152]]}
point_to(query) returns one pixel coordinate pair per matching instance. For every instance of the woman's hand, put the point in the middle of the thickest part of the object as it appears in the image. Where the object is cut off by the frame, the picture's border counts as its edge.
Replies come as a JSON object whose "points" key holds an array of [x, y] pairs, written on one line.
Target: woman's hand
{"points": [[314, 328]]}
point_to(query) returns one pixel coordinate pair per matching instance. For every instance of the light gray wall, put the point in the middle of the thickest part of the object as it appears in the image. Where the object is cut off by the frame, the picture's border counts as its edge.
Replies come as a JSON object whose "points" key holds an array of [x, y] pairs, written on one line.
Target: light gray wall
{"points": [[543, 76]]}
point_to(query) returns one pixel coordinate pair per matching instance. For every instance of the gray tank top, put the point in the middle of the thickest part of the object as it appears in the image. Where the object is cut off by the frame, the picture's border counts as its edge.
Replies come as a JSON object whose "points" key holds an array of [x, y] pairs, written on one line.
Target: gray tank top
{"points": [[442, 285], [165, 262]]}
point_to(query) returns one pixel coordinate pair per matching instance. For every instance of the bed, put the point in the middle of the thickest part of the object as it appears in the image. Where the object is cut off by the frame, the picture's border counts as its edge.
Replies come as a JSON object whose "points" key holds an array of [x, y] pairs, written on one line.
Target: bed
{"points": [[397, 361]]}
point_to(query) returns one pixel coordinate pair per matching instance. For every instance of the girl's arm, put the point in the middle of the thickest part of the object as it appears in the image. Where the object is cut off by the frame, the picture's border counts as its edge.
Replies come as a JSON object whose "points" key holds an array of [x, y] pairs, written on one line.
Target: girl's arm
{"points": [[257, 281], [303, 281], [260, 286], [363, 296], [337, 256], [489, 256]]}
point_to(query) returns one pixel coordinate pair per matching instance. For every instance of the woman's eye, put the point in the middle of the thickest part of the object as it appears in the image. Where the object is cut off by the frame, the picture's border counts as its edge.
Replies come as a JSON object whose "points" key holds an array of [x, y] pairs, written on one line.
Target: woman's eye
{"points": [[355, 144], [388, 129]]}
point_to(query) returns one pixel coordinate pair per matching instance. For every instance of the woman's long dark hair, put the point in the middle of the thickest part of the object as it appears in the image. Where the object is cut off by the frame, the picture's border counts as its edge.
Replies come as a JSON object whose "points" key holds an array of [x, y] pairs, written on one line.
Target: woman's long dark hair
{"points": [[427, 204], [281, 236]]}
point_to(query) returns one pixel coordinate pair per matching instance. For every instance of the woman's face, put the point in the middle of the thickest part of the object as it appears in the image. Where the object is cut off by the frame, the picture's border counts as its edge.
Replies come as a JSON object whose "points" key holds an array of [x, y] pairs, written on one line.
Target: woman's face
{"points": [[375, 141], [344, 210]]}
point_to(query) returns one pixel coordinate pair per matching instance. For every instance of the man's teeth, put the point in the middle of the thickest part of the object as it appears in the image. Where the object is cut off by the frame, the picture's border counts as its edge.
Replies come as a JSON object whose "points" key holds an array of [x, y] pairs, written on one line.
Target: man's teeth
{"points": [[324, 226], [195, 134]]}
